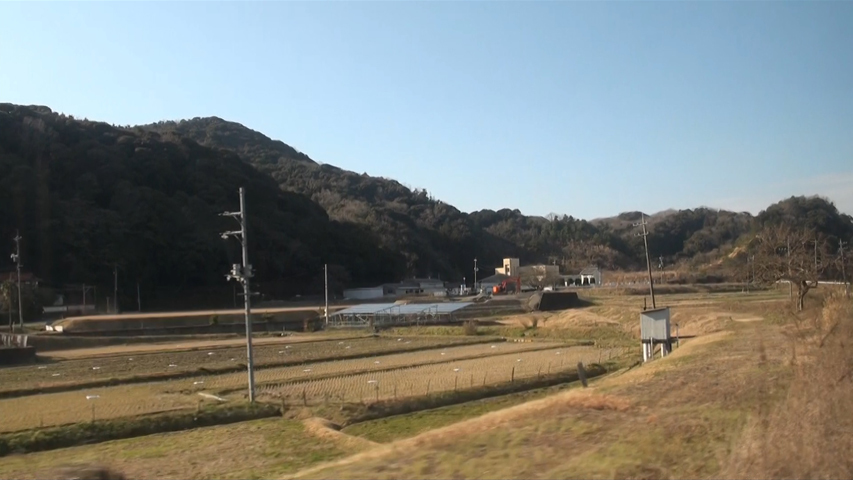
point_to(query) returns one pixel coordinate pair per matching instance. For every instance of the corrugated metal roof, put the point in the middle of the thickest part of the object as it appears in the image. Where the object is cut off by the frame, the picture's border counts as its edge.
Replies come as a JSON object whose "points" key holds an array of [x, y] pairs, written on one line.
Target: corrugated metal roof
{"points": [[392, 308]]}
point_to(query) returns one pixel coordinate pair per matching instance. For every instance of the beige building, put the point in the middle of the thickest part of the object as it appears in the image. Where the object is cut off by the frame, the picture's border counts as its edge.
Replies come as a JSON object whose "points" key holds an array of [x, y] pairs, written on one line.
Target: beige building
{"points": [[512, 267]]}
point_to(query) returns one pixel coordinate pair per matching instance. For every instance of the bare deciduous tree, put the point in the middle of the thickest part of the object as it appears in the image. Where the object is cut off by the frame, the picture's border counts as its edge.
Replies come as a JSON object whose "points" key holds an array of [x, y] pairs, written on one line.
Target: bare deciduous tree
{"points": [[7, 298], [799, 256]]}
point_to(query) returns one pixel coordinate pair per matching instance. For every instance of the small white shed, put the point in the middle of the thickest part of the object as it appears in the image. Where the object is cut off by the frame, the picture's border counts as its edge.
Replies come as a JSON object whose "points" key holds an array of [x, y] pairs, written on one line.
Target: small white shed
{"points": [[654, 330]]}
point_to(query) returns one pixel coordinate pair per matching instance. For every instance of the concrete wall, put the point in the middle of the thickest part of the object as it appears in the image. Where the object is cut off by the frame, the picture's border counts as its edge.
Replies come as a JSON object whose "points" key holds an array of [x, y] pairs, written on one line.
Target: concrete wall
{"points": [[10, 356], [558, 301]]}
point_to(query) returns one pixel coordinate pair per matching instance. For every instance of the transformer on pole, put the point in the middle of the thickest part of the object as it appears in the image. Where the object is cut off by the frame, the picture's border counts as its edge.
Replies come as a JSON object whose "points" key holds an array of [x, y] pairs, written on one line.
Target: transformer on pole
{"points": [[243, 274]]}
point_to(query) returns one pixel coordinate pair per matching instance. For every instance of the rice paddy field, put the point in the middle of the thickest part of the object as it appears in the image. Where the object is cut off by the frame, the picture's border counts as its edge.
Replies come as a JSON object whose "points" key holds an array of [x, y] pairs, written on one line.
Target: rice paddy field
{"points": [[352, 370], [166, 363], [415, 381]]}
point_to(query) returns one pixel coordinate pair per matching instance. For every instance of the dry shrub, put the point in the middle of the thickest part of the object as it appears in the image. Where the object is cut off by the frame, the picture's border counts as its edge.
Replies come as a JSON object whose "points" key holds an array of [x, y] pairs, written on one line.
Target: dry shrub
{"points": [[88, 472], [470, 327], [810, 433]]}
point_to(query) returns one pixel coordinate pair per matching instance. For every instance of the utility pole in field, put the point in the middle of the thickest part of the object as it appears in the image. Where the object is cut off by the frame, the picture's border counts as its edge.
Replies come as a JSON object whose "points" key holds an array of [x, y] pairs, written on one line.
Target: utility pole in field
{"points": [[16, 257], [242, 274], [326, 282], [115, 287], [843, 269], [788, 254], [475, 274], [645, 234]]}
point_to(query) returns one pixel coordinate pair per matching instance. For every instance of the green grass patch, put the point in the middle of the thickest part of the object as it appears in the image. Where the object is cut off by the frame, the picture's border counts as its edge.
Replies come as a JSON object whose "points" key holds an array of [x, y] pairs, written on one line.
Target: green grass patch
{"points": [[403, 426], [351, 414], [267, 448]]}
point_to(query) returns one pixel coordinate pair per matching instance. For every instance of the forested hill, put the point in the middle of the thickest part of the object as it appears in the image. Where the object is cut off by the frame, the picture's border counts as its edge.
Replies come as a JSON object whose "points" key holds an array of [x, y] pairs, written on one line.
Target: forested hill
{"points": [[87, 195], [438, 239]]}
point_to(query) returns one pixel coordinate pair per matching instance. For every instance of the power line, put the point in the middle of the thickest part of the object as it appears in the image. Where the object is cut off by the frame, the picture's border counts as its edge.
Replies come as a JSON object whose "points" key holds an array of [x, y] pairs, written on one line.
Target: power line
{"points": [[645, 234], [242, 274]]}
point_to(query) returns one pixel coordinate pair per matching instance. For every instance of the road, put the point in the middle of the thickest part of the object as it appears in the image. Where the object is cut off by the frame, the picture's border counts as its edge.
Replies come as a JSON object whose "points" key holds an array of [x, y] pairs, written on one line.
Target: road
{"points": [[198, 313], [112, 350]]}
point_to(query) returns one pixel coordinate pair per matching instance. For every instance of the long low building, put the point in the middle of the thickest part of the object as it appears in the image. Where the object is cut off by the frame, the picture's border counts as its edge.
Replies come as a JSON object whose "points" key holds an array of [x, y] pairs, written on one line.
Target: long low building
{"points": [[386, 314], [414, 286]]}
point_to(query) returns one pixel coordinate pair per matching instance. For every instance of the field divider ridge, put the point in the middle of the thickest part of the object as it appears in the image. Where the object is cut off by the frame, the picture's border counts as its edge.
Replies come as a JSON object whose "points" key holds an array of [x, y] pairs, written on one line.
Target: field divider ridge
{"points": [[324, 376], [203, 371]]}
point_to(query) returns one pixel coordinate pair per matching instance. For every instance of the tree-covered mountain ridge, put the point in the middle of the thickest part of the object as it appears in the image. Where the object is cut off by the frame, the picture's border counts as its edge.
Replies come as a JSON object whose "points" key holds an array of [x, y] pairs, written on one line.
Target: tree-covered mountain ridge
{"points": [[675, 235], [87, 195]]}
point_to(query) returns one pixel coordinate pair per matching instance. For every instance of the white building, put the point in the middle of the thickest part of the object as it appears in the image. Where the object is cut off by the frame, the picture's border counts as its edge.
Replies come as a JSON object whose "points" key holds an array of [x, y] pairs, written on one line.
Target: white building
{"points": [[363, 293]]}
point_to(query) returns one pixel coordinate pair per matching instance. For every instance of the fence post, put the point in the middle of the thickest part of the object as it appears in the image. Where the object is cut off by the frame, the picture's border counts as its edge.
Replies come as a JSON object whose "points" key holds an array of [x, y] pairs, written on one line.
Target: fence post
{"points": [[512, 375], [304, 398], [582, 374]]}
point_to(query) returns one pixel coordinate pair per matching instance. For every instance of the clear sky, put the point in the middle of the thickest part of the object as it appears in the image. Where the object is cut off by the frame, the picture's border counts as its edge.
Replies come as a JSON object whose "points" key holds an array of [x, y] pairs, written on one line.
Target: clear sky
{"points": [[583, 108]]}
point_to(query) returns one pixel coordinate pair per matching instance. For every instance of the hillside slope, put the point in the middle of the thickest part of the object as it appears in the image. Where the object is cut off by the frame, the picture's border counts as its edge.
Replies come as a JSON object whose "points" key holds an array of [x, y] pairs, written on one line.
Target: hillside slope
{"points": [[438, 239], [86, 196]]}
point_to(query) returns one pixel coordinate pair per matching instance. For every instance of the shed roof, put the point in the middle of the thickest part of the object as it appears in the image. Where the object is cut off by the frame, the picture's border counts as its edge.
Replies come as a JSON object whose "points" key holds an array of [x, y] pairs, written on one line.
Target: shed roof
{"points": [[590, 271]]}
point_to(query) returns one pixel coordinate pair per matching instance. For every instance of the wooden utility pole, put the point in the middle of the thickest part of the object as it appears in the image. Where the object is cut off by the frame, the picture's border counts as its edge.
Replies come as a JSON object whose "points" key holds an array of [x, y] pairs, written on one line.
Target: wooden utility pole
{"points": [[17, 258], [645, 235], [115, 287], [326, 282], [790, 282], [843, 270], [475, 274]]}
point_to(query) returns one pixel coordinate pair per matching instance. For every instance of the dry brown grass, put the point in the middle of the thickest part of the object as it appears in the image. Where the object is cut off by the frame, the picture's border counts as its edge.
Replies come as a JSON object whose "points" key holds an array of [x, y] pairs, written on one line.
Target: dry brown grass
{"points": [[256, 449], [673, 418], [326, 430], [810, 434]]}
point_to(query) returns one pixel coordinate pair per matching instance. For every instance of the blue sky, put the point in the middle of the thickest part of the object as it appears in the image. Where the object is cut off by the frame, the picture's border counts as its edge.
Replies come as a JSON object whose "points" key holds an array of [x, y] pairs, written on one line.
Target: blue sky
{"points": [[583, 108]]}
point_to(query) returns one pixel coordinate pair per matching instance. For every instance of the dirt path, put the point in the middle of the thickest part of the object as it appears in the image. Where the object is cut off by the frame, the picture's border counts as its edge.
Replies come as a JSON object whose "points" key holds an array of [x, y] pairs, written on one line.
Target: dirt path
{"points": [[195, 313], [113, 350]]}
